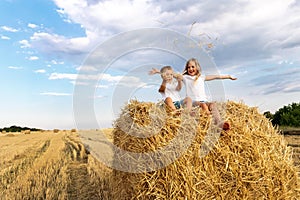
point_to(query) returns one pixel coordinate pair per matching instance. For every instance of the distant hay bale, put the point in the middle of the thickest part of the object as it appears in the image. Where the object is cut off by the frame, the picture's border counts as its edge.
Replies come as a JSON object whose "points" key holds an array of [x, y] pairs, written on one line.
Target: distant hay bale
{"points": [[26, 132], [250, 161], [55, 130], [73, 130]]}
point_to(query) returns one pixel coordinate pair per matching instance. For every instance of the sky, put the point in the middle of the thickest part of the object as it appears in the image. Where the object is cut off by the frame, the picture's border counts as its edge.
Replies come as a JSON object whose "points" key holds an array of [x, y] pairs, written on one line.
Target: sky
{"points": [[75, 64]]}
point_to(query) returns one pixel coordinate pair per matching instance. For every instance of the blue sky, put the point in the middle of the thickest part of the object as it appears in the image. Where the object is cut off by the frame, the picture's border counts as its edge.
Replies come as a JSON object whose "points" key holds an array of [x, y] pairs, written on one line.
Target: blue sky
{"points": [[48, 49]]}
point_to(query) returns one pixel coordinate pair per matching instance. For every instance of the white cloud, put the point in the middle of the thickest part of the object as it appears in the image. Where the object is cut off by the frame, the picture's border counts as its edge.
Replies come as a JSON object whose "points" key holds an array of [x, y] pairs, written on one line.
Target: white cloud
{"points": [[292, 87], [33, 26], [3, 37], [104, 79], [247, 17], [55, 76], [115, 14], [241, 31], [33, 58], [55, 94], [15, 68], [98, 26], [283, 79], [24, 44], [9, 29], [147, 86], [54, 62], [53, 44], [110, 78], [40, 71], [87, 68], [80, 83]]}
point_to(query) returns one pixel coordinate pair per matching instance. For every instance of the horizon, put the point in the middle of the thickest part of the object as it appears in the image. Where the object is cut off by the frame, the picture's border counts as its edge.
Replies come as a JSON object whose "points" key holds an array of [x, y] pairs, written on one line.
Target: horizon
{"points": [[103, 128], [47, 52]]}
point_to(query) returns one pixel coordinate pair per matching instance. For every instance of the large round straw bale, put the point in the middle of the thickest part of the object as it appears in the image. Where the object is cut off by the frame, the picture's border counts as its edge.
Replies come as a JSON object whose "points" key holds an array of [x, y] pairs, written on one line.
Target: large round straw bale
{"points": [[250, 161]]}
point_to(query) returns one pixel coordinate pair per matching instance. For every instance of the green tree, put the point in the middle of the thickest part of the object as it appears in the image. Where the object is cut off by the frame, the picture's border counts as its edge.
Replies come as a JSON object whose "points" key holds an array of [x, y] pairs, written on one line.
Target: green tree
{"points": [[288, 115], [269, 115]]}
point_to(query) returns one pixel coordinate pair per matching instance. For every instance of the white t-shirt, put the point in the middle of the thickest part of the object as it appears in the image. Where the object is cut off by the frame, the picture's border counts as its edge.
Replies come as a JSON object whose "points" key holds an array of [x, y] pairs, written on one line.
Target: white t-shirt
{"points": [[195, 89], [171, 91]]}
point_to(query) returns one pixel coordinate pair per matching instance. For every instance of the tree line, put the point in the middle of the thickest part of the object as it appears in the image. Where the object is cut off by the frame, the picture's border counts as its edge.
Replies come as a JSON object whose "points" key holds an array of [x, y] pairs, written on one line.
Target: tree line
{"points": [[17, 129], [286, 116]]}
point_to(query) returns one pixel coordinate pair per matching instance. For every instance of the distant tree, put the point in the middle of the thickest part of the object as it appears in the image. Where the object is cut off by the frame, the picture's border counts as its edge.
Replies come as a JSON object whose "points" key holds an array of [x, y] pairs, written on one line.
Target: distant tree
{"points": [[269, 115], [288, 115], [17, 129]]}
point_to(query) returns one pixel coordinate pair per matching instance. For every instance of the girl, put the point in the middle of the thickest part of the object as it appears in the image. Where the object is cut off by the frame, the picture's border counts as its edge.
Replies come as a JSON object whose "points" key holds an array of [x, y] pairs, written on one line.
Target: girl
{"points": [[169, 88], [195, 89]]}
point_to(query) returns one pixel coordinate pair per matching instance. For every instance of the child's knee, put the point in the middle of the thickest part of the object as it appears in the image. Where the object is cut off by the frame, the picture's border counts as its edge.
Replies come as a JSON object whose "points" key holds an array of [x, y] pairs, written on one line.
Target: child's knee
{"points": [[168, 99], [187, 100], [205, 108], [211, 106]]}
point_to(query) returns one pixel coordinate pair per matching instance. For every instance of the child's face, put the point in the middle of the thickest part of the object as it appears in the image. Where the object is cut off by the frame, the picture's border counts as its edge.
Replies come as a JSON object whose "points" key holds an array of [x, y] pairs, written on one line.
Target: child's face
{"points": [[192, 69], [167, 75]]}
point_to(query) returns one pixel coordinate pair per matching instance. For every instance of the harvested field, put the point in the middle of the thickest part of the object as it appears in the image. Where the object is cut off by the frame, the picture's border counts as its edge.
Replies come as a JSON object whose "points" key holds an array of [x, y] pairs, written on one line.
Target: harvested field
{"points": [[57, 165], [293, 140], [48, 165]]}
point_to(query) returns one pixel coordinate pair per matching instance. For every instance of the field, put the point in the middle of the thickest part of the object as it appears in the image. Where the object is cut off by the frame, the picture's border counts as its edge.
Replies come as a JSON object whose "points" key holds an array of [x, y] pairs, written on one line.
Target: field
{"points": [[56, 165], [49, 165], [293, 139]]}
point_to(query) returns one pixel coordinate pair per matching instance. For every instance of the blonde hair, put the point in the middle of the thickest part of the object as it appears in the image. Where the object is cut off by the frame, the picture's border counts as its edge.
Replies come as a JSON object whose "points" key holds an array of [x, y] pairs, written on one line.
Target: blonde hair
{"points": [[198, 67], [165, 68]]}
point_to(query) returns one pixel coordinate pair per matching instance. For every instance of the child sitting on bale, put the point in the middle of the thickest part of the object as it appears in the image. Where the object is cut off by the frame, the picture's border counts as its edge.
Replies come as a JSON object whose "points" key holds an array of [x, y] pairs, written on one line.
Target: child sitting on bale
{"points": [[169, 88]]}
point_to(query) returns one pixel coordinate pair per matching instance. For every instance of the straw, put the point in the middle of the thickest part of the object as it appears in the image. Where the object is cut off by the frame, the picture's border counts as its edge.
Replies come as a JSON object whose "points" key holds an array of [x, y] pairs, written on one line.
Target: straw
{"points": [[250, 161]]}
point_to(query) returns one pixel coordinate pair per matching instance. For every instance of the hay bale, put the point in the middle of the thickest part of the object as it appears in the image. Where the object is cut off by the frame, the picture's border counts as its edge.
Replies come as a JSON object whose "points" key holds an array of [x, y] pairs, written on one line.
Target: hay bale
{"points": [[26, 132], [73, 130], [250, 161], [56, 130]]}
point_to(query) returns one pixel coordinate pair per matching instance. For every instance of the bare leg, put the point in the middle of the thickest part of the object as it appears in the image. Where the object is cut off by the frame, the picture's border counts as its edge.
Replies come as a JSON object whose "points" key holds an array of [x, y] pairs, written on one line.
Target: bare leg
{"points": [[217, 118], [215, 113], [189, 105], [205, 107], [170, 103], [188, 102]]}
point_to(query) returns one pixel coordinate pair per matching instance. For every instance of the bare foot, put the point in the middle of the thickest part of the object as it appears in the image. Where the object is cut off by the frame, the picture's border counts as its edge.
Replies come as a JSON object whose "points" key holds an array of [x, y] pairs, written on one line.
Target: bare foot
{"points": [[225, 126]]}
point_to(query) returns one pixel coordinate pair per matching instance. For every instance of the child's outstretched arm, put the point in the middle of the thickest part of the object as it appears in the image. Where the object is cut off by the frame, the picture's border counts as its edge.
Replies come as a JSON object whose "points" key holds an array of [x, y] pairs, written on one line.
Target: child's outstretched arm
{"points": [[213, 77], [154, 71]]}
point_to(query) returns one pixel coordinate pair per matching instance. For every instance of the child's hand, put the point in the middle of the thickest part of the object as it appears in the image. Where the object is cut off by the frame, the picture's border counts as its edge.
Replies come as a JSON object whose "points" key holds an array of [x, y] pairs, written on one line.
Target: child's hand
{"points": [[154, 71], [232, 78], [178, 76]]}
